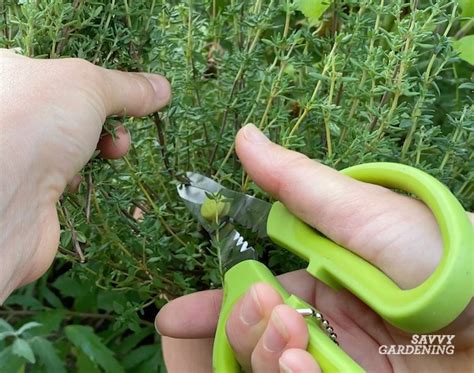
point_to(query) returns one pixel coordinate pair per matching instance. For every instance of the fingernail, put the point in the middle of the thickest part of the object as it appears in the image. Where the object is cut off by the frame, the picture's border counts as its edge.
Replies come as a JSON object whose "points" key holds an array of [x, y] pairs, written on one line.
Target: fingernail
{"points": [[254, 135], [156, 325], [275, 336], [157, 331], [250, 311], [283, 367]]}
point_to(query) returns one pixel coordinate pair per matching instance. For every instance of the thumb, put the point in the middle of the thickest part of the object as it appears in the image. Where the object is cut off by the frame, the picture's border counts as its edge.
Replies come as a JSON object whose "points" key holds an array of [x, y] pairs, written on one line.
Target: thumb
{"points": [[396, 233], [115, 92], [135, 94]]}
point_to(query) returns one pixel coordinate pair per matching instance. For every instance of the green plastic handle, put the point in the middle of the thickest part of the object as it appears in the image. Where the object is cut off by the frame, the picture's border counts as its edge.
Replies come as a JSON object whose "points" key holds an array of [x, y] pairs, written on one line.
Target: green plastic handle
{"points": [[237, 281], [423, 309]]}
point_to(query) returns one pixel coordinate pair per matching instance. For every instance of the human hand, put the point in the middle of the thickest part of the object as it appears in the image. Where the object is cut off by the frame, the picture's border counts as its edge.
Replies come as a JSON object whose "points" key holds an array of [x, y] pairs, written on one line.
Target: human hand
{"points": [[51, 118], [396, 233]]}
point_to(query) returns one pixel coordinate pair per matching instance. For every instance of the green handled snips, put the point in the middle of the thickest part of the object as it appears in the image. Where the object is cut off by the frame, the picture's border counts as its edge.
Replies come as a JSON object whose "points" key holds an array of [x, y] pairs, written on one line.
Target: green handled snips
{"points": [[423, 309]]}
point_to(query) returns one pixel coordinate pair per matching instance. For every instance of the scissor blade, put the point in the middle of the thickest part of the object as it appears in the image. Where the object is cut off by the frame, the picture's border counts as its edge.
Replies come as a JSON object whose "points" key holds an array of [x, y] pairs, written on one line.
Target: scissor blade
{"points": [[248, 211], [233, 247], [193, 198]]}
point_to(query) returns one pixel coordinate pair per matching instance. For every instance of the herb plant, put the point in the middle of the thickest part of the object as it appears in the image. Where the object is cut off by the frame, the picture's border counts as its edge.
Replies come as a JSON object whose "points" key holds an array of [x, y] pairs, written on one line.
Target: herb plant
{"points": [[344, 82]]}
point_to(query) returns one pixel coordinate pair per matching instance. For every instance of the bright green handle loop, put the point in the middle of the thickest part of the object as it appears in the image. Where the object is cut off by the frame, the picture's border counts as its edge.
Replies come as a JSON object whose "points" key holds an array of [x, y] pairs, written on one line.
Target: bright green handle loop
{"points": [[424, 309], [237, 281]]}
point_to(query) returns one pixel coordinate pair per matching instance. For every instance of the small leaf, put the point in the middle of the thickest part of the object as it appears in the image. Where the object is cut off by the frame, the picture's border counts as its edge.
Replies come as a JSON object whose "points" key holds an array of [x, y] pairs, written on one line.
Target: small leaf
{"points": [[69, 287], [47, 354], [467, 86], [139, 355], [5, 326], [6, 330], [21, 348], [9, 362], [84, 338], [465, 47], [27, 326], [85, 365], [6, 334], [312, 9], [50, 321]]}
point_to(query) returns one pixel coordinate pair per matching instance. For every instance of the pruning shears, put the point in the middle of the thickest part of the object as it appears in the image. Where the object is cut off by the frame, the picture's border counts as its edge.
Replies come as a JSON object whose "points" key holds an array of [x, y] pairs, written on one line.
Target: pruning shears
{"points": [[423, 309]]}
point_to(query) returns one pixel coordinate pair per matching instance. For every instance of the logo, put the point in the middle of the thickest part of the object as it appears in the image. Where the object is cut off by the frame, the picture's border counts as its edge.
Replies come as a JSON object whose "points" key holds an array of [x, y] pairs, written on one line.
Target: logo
{"points": [[433, 344]]}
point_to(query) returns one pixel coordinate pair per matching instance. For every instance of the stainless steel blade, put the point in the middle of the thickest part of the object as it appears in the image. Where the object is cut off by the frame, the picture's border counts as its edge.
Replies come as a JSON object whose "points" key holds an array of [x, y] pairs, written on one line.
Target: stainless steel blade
{"points": [[233, 247], [248, 211], [193, 198], [245, 210]]}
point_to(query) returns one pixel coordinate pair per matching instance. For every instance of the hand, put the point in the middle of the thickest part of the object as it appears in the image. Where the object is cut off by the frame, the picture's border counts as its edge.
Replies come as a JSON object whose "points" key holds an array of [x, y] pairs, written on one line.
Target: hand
{"points": [[396, 233], [51, 119]]}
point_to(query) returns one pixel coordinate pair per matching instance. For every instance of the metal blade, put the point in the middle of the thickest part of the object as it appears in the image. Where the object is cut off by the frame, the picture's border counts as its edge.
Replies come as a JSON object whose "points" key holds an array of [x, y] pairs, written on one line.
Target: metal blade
{"points": [[233, 247], [248, 211], [193, 198]]}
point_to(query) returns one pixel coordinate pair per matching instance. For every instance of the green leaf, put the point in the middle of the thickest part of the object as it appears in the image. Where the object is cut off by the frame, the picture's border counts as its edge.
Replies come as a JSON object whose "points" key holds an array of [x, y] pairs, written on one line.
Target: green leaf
{"points": [[465, 47], [69, 286], [83, 337], [5, 326], [139, 355], [85, 365], [26, 301], [467, 86], [6, 330], [50, 321], [46, 353], [21, 348], [28, 326], [467, 7], [312, 9], [133, 340], [6, 334], [9, 362]]}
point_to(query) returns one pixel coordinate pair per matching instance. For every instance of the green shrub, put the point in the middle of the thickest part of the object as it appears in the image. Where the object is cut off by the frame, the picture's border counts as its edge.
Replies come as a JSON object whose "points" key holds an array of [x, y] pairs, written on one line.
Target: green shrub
{"points": [[370, 81]]}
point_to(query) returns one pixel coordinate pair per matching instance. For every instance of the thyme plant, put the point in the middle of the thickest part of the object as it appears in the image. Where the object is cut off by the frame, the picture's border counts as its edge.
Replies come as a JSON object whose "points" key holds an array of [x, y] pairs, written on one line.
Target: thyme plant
{"points": [[369, 80]]}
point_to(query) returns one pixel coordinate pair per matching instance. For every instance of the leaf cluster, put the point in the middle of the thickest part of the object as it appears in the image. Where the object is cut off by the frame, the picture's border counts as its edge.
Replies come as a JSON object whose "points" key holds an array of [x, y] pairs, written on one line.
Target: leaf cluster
{"points": [[368, 81]]}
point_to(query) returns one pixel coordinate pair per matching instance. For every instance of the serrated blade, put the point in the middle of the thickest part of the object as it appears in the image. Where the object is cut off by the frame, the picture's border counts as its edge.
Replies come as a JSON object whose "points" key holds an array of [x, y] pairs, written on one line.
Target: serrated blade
{"points": [[248, 211], [233, 247]]}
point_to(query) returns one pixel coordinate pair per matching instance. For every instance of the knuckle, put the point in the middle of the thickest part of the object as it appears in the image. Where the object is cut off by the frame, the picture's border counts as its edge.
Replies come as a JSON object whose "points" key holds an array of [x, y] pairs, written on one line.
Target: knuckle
{"points": [[80, 72], [77, 66], [144, 93]]}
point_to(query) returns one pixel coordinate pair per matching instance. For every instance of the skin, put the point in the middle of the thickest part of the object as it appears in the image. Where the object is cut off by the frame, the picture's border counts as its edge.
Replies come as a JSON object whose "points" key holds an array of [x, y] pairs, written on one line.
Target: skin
{"points": [[50, 125], [396, 233]]}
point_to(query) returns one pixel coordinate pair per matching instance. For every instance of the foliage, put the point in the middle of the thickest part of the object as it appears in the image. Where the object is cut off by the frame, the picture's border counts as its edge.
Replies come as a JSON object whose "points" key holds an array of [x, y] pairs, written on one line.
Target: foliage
{"points": [[370, 81]]}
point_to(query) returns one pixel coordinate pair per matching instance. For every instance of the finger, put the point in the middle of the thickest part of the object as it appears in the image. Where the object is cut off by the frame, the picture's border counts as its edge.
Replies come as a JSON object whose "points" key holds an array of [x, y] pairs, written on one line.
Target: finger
{"points": [[135, 94], [249, 319], [298, 361], [73, 185], [374, 222], [187, 355], [113, 91], [178, 319], [286, 329], [114, 146]]}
